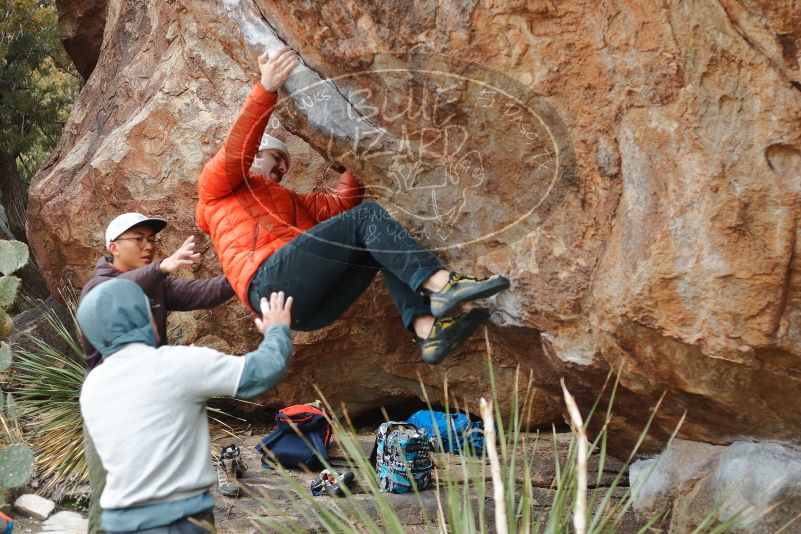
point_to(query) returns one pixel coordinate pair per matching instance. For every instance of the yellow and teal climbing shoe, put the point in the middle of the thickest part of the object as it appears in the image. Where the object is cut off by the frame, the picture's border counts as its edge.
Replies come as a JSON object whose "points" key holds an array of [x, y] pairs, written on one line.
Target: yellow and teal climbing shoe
{"points": [[450, 332], [462, 288]]}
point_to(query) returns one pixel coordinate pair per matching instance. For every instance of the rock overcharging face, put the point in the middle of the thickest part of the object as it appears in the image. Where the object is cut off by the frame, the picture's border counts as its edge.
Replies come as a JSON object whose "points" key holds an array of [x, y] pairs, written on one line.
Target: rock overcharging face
{"points": [[634, 171]]}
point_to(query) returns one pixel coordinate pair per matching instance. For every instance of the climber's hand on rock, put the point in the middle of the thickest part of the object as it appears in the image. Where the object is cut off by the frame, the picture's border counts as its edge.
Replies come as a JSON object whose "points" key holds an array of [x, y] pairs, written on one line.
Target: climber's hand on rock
{"points": [[183, 257], [275, 70], [274, 311]]}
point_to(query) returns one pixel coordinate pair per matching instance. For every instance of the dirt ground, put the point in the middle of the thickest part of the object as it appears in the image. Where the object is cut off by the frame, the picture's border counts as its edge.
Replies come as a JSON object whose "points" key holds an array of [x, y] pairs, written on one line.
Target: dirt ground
{"points": [[266, 495], [242, 515]]}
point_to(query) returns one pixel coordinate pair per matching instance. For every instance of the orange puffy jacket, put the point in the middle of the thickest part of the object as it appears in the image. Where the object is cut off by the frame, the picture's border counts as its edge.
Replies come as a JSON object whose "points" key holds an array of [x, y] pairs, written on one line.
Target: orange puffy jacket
{"points": [[249, 216]]}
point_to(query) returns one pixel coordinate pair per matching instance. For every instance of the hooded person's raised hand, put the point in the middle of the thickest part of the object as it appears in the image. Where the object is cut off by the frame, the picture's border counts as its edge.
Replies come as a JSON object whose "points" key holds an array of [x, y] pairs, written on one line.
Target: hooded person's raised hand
{"points": [[275, 70], [274, 311]]}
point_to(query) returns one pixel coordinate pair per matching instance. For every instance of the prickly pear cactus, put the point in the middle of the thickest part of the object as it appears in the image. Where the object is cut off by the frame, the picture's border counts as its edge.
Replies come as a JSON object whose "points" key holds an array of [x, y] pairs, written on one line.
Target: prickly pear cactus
{"points": [[16, 460], [11, 408], [16, 465], [13, 256]]}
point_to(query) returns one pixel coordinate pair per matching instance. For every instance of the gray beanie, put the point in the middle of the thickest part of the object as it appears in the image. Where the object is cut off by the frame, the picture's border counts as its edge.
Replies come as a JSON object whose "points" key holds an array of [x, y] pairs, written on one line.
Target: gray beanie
{"points": [[269, 142]]}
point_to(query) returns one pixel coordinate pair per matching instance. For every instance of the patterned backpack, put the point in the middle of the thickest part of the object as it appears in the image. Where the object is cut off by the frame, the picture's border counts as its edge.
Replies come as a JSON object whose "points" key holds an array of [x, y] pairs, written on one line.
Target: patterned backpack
{"points": [[402, 450]]}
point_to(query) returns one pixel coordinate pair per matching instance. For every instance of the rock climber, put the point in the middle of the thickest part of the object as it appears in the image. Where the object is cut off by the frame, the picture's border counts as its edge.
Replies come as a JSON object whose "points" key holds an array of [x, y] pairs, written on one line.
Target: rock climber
{"points": [[323, 249]]}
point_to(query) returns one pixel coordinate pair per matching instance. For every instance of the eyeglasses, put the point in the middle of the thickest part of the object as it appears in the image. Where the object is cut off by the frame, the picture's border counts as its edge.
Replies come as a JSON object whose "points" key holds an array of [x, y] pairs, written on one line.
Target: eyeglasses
{"points": [[141, 241]]}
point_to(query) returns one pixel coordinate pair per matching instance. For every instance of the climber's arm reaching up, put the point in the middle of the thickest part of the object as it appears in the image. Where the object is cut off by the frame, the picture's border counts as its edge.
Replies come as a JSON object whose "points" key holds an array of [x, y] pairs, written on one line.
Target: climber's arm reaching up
{"points": [[229, 167]]}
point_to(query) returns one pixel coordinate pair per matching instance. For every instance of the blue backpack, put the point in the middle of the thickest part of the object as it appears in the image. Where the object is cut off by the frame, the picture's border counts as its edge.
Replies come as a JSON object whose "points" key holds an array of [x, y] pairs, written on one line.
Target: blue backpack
{"points": [[463, 432], [285, 446], [402, 453]]}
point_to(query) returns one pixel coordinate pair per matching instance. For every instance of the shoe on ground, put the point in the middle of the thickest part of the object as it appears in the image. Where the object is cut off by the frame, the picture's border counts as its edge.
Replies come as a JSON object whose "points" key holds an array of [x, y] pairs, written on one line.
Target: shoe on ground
{"points": [[332, 483], [462, 288], [450, 332], [229, 468]]}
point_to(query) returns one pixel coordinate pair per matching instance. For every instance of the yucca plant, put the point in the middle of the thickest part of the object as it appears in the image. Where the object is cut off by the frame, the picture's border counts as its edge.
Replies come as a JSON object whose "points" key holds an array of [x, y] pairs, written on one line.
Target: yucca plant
{"points": [[49, 380], [464, 503], [49, 384]]}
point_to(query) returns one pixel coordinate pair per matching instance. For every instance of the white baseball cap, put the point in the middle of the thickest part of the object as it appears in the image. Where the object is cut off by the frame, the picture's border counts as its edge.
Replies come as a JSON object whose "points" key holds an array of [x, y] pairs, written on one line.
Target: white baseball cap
{"points": [[269, 142], [126, 221]]}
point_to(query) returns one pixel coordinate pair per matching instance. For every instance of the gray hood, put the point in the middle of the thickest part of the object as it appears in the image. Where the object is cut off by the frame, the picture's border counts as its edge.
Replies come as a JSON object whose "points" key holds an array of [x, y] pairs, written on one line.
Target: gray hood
{"points": [[114, 314]]}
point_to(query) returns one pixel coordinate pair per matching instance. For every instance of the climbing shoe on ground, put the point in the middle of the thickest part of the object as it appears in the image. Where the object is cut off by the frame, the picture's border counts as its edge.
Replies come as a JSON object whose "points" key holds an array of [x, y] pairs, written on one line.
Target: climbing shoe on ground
{"points": [[229, 468], [462, 288], [331, 482], [450, 332]]}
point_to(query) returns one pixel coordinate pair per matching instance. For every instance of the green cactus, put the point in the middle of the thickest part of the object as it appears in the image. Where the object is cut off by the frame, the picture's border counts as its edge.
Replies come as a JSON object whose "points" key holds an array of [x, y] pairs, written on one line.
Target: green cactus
{"points": [[13, 256], [16, 465], [11, 408], [16, 460], [8, 290]]}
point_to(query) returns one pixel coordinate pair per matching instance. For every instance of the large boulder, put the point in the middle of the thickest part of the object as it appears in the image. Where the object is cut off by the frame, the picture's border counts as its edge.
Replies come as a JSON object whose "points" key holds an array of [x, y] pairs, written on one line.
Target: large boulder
{"points": [[754, 487], [634, 172], [80, 27]]}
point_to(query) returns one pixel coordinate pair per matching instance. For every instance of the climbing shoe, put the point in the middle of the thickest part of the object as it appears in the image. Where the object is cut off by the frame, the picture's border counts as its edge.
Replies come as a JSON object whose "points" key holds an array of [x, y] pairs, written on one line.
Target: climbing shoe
{"points": [[461, 288], [229, 468], [332, 483], [450, 332]]}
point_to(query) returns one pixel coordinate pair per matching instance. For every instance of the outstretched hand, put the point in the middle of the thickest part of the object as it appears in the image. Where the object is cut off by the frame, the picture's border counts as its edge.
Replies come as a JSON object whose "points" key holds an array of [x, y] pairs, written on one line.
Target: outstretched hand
{"points": [[274, 311], [183, 257], [275, 70]]}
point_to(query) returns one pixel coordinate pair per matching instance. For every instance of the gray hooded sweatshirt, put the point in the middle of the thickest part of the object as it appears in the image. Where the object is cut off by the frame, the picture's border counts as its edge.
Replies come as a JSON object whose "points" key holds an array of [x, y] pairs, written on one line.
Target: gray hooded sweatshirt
{"points": [[145, 407]]}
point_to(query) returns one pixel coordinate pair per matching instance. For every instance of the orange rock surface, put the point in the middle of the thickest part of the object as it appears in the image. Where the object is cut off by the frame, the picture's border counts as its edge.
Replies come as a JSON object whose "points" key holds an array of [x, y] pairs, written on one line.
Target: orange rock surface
{"points": [[634, 170]]}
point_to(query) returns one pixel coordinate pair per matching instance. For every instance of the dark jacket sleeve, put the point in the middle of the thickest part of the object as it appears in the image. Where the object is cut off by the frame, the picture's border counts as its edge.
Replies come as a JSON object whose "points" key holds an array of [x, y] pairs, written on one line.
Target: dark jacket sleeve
{"points": [[147, 277], [186, 295]]}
